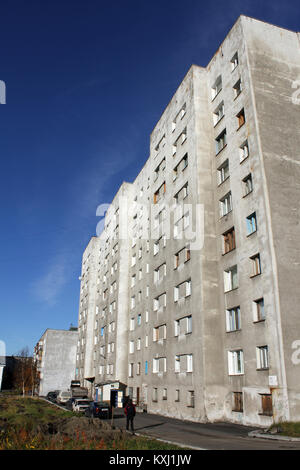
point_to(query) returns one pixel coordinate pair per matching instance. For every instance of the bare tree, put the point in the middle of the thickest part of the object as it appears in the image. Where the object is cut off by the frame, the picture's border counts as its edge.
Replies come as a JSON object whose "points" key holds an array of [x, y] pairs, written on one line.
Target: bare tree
{"points": [[24, 376]]}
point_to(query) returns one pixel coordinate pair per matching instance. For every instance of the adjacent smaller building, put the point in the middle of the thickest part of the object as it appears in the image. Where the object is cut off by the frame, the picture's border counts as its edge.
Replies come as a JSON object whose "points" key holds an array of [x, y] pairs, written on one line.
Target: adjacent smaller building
{"points": [[55, 355], [2, 365]]}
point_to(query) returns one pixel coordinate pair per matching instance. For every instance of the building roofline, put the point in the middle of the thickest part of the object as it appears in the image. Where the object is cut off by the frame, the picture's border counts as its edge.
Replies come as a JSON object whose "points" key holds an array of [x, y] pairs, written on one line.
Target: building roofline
{"points": [[192, 66], [56, 329]]}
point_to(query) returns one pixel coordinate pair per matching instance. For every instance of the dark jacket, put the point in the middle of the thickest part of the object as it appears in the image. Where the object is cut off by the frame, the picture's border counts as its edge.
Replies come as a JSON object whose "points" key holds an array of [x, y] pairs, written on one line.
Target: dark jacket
{"points": [[129, 410]]}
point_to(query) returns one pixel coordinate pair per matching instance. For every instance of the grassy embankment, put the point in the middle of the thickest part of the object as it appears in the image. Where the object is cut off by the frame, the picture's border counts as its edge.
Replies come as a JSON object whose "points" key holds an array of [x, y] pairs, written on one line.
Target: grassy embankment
{"points": [[31, 423], [287, 429]]}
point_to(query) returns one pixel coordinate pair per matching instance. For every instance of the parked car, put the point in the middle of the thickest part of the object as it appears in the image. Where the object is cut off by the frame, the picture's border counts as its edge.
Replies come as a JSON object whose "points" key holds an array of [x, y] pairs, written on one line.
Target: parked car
{"points": [[81, 404], [63, 396], [69, 403], [98, 409], [51, 396]]}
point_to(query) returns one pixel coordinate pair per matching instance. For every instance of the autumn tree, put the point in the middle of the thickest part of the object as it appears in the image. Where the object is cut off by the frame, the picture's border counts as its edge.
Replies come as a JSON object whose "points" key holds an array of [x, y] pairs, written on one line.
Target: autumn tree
{"points": [[25, 373]]}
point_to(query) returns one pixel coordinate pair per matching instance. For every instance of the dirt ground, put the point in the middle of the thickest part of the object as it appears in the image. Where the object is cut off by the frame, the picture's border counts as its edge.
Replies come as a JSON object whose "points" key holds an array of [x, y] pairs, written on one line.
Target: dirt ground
{"points": [[92, 428]]}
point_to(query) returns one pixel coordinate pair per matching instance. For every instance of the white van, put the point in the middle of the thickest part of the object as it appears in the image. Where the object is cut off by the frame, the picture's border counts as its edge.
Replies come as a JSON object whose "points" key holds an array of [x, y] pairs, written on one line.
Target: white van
{"points": [[63, 396]]}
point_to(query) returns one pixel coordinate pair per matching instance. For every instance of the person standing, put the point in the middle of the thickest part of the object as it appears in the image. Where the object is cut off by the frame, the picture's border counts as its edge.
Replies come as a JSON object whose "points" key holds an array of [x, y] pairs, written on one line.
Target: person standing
{"points": [[129, 411]]}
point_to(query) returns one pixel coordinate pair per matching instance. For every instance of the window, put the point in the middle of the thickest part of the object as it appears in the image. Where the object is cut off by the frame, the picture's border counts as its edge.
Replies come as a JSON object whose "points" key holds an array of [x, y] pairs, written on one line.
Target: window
{"points": [[159, 365], [225, 204], [164, 394], [229, 241], [160, 145], [251, 223], [139, 319], [154, 394], [160, 168], [130, 370], [131, 324], [184, 363], [262, 357], [146, 367], [223, 172], [181, 224], [221, 141], [183, 326], [230, 279], [138, 368], [160, 193], [179, 116], [113, 287], [237, 88], [236, 362], [138, 344], [159, 244], [266, 404], [237, 399], [180, 167], [244, 151], [160, 302], [132, 302], [179, 141], [256, 265], [241, 118], [182, 256], [233, 319], [131, 347], [181, 194], [216, 88], [159, 333], [158, 223], [247, 185], [234, 62], [218, 113], [177, 395], [259, 310], [191, 399], [182, 290]]}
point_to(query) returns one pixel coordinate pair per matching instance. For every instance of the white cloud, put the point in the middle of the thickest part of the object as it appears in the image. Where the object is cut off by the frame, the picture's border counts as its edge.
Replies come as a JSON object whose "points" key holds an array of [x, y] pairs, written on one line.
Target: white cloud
{"points": [[49, 286]]}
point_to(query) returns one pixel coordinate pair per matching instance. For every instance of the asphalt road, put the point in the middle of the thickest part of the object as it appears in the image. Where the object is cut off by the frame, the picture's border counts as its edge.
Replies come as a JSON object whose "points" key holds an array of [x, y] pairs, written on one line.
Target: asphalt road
{"points": [[212, 436], [217, 436]]}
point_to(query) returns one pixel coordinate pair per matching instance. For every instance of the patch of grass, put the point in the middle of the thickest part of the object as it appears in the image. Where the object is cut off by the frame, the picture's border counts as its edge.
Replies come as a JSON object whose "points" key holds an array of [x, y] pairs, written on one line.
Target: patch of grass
{"points": [[31, 423], [287, 429]]}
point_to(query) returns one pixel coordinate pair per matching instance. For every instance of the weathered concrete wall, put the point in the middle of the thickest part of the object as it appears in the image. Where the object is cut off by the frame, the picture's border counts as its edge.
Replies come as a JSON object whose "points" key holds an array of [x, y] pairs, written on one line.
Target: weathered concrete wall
{"points": [[274, 60], [58, 360]]}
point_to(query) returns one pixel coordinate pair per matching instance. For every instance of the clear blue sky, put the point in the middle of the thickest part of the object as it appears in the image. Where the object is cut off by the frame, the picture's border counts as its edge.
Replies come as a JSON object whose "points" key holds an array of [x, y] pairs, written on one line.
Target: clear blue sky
{"points": [[86, 82]]}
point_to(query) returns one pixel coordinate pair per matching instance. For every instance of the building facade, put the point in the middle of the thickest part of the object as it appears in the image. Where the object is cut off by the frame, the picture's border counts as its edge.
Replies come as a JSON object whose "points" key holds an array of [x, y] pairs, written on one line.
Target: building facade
{"points": [[55, 358], [189, 294]]}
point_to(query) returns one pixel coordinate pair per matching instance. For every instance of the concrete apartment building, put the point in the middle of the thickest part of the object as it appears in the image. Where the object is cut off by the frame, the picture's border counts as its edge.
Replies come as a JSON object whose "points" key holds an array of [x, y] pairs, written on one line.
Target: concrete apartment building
{"points": [[55, 355], [189, 297]]}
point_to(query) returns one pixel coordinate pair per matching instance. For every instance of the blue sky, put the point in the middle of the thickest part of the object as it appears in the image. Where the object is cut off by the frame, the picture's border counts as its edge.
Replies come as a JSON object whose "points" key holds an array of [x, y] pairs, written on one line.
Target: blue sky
{"points": [[86, 82]]}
